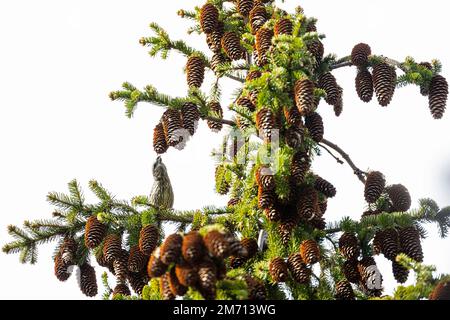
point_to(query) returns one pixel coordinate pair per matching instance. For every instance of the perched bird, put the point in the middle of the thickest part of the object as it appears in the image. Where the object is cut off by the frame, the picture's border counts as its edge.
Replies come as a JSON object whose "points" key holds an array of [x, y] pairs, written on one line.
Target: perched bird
{"points": [[161, 195]]}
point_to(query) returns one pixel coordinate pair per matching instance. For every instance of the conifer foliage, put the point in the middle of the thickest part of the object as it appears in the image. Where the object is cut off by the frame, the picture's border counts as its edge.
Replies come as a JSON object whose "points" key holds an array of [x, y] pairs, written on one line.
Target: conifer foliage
{"points": [[276, 228]]}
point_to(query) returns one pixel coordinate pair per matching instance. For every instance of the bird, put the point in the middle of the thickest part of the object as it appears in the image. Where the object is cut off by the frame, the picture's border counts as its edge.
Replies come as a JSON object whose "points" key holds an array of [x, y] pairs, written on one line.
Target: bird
{"points": [[161, 195]]}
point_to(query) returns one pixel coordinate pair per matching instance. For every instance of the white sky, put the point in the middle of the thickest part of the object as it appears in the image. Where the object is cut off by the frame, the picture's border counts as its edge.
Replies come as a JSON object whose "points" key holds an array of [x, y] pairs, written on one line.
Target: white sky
{"points": [[60, 59]]}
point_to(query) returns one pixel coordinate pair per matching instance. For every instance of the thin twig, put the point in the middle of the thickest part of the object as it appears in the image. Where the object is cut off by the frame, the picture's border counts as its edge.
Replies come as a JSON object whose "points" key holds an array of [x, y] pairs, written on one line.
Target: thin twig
{"points": [[230, 76], [331, 153], [224, 121], [359, 173]]}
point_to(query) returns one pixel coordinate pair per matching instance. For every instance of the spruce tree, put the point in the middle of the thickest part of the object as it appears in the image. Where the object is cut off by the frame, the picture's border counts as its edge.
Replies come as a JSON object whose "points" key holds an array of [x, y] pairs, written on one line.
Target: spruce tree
{"points": [[274, 230]]}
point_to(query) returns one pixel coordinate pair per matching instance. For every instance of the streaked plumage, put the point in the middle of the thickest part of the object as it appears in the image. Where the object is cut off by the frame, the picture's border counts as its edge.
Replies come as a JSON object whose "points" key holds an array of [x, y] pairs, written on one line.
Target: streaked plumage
{"points": [[161, 195]]}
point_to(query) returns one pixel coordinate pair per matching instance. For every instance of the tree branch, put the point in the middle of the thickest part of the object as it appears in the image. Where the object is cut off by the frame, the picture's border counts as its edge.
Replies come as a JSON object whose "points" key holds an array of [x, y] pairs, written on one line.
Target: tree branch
{"points": [[224, 121], [346, 62], [359, 173]]}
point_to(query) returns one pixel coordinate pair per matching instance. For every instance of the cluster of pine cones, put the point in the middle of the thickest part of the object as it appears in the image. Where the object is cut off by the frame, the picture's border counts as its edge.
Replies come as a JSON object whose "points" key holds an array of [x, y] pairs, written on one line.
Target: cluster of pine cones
{"points": [[383, 81], [358, 270], [307, 203], [175, 127], [397, 197], [298, 263], [198, 262]]}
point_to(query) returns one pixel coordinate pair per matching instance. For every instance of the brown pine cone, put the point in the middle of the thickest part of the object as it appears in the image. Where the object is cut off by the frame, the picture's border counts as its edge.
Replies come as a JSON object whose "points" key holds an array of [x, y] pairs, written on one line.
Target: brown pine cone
{"points": [[171, 249], [438, 96], [112, 247], [217, 244], [364, 85], [310, 252], [209, 17], [344, 291], [328, 83], [349, 246], [166, 292], [400, 197], [190, 116], [360, 55], [175, 286], [258, 17], [137, 260], [278, 270], [95, 232], [88, 280], [283, 26], [299, 167], [193, 248], [299, 271], [156, 268], [304, 96], [148, 239], [384, 82], [159, 139], [231, 44], [374, 186], [195, 71]]}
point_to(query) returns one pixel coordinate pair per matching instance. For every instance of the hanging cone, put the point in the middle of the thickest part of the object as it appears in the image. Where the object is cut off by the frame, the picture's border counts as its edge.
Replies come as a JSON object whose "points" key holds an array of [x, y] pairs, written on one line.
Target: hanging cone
{"points": [[266, 123], [216, 60], [207, 278], [328, 83], [299, 167], [213, 40], [148, 239], [263, 42], [175, 286], [137, 281], [283, 26], [235, 246], [186, 274], [360, 55], [400, 273], [285, 229], [209, 17], [195, 71], [390, 245], [244, 7], [61, 269], [370, 276], [172, 124], [122, 290], [242, 123], [68, 251], [314, 123], [323, 206], [171, 249], [304, 96], [316, 49], [190, 116], [273, 213], [137, 260], [193, 248], [349, 246], [217, 244], [298, 269], [266, 199], [256, 289], [308, 204], [441, 291], [344, 291], [339, 106], [374, 186], [159, 139], [384, 82], [120, 266], [400, 197], [156, 267], [364, 85], [258, 17], [112, 247], [246, 103], [216, 109], [377, 243], [278, 270], [351, 272], [264, 178], [164, 288], [292, 116], [95, 232], [250, 246], [324, 187], [410, 243], [87, 280], [294, 137], [232, 46], [438, 96], [310, 252]]}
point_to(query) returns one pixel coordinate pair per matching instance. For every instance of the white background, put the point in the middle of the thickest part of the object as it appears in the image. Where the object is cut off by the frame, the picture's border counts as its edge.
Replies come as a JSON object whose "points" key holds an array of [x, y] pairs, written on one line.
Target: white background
{"points": [[60, 59]]}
